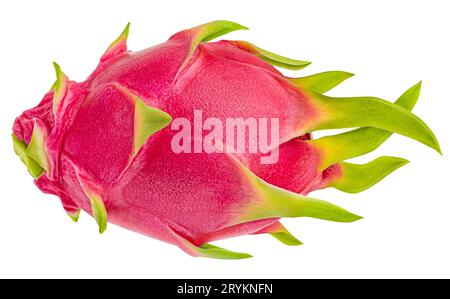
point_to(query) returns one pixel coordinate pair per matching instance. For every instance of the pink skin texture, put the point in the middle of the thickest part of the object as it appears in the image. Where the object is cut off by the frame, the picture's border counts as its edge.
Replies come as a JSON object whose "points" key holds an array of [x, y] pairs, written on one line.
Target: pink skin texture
{"points": [[104, 145]]}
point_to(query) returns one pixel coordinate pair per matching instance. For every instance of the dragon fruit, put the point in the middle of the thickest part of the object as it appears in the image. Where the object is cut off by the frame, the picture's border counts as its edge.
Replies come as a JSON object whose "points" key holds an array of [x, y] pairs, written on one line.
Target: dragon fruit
{"points": [[105, 145]]}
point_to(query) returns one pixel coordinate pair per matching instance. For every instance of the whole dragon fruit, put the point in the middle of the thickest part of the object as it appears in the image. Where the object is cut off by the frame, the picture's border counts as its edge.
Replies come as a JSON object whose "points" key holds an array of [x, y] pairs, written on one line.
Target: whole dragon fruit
{"points": [[108, 145]]}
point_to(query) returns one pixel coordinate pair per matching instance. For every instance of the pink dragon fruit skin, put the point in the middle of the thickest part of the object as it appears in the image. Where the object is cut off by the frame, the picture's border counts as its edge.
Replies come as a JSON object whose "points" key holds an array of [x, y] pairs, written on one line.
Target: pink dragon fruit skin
{"points": [[104, 145]]}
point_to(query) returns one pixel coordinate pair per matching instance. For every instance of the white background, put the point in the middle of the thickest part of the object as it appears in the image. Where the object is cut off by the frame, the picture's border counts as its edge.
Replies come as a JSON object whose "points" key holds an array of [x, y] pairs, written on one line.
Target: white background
{"points": [[390, 45]]}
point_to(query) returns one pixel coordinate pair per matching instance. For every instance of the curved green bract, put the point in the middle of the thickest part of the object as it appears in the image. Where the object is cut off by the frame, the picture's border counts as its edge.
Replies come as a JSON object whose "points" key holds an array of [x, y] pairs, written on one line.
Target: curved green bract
{"points": [[341, 113], [98, 211], [214, 29], [360, 141], [36, 148], [275, 202], [122, 37], [208, 250], [147, 120], [211, 251], [359, 177], [274, 59], [286, 238], [279, 232], [74, 215], [20, 148], [321, 82], [59, 87], [344, 146], [207, 32], [282, 203], [410, 97]]}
